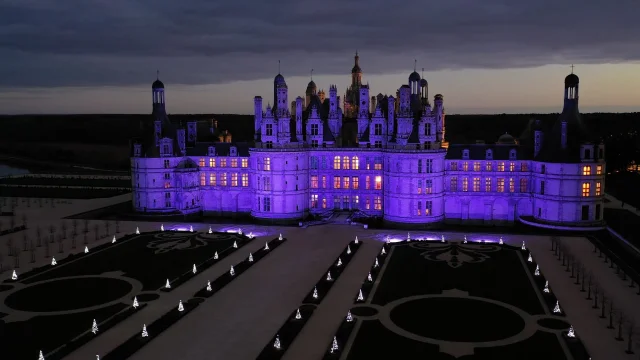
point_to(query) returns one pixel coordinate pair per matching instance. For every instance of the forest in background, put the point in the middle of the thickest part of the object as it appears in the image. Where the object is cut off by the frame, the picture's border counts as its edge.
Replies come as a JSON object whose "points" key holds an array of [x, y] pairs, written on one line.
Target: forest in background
{"points": [[103, 140]]}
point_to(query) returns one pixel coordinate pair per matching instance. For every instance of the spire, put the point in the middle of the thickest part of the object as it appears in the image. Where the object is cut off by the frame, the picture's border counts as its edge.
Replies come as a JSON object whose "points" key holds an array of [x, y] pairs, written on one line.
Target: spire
{"points": [[423, 73], [278, 66], [572, 68], [158, 74], [311, 74], [415, 63]]}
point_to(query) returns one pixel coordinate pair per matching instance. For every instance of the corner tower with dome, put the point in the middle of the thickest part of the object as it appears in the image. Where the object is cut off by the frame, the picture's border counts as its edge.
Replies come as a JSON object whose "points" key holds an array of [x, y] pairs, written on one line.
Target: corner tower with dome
{"points": [[383, 156]]}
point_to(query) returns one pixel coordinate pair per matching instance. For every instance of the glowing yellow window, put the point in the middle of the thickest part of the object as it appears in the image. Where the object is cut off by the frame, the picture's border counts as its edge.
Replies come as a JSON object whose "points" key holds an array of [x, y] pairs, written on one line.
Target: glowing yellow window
{"points": [[599, 170], [489, 166], [203, 178], [212, 179], [314, 181], [378, 182], [345, 182], [501, 166], [245, 180], [512, 185], [223, 162], [234, 162], [586, 170], [223, 179], [586, 189], [487, 184], [201, 162], [245, 163], [598, 188], [234, 179], [336, 162], [336, 182], [465, 184], [345, 163], [355, 163], [465, 166], [212, 162], [476, 184], [512, 167], [355, 183], [266, 165], [500, 185], [476, 166]]}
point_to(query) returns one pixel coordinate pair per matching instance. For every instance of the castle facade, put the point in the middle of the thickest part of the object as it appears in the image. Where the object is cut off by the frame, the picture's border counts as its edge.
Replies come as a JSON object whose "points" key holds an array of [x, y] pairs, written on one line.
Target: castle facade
{"points": [[384, 156]]}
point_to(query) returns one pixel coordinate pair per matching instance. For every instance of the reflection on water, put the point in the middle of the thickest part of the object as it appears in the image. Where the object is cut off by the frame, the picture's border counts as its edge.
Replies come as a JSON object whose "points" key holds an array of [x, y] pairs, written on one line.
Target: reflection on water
{"points": [[6, 170]]}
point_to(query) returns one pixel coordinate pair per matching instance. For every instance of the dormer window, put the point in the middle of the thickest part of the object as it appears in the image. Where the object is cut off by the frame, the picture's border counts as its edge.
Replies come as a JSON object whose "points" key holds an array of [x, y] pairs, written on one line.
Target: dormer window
{"points": [[465, 154], [211, 151], [489, 154], [137, 150], [233, 151], [512, 154]]}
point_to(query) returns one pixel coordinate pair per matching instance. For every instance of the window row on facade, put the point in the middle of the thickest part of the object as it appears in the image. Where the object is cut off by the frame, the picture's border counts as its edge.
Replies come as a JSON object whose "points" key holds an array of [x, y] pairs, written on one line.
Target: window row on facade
{"points": [[345, 163], [346, 202], [345, 182], [224, 179], [223, 162], [477, 184]]}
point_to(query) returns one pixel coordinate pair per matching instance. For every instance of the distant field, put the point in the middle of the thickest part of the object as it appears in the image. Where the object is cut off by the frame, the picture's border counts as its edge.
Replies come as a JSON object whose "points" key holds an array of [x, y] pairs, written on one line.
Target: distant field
{"points": [[56, 181], [58, 192]]}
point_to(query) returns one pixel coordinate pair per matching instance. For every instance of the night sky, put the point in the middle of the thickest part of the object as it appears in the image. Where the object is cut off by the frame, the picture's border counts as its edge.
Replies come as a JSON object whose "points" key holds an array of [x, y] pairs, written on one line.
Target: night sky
{"points": [[100, 56]]}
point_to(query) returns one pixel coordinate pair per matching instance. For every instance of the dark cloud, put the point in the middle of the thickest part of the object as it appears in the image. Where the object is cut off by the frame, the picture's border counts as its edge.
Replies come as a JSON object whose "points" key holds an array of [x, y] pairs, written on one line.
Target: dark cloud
{"points": [[103, 42]]}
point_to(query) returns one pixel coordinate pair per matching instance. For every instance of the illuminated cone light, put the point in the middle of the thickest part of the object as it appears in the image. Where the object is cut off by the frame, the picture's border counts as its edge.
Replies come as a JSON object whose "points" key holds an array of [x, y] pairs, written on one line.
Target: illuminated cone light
{"points": [[232, 272], [501, 242], [180, 307], [144, 331], [250, 235], [235, 245], [194, 270], [114, 239], [209, 286], [356, 240], [280, 237], [250, 257], [348, 250], [94, 327], [210, 231], [137, 231], [86, 250], [571, 332], [442, 238], [161, 227], [53, 261], [240, 231], [349, 317], [465, 239], [191, 228], [135, 302], [537, 272], [334, 345], [97, 357], [298, 315], [41, 357], [266, 246], [215, 256], [523, 247], [360, 297], [339, 263], [315, 293], [388, 239], [329, 276], [376, 264], [546, 287], [383, 251], [556, 309], [530, 259], [408, 236], [276, 344], [369, 278], [14, 276], [167, 285]]}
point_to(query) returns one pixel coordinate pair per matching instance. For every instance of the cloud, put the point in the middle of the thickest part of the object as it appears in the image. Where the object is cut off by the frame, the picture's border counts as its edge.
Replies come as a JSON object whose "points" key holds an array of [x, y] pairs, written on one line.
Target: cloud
{"points": [[111, 43]]}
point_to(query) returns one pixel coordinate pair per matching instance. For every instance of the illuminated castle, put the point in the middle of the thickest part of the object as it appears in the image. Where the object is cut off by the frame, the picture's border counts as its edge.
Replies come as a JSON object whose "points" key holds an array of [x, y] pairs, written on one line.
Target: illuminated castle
{"points": [[384, 156]]}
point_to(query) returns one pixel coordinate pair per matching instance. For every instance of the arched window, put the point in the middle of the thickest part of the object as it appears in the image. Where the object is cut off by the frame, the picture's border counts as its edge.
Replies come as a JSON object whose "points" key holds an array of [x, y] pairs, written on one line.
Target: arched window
{"points": [[345, 163], [355, 163], [336, 162]]}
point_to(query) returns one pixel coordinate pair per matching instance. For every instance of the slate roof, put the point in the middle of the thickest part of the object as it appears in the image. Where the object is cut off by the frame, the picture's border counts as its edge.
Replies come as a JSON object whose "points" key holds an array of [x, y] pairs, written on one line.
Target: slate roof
{"points": [[222, 149], [577, 134], [479, 151]]}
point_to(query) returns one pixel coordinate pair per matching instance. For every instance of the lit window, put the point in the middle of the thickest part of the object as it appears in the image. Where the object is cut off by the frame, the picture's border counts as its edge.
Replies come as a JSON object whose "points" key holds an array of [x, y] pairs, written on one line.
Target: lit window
{"points": [[419, 209], [336, 163], [201, 162], [167, 184], [487, 184], [599, 170], [245, 163], [523, 185], [355, 183], [501, 185], [378, 182], [314, 201], [427, 209], [212, 179], [324, 203], [234, 162], [345, 163], [465, 184], [419, 186], [454, 166], [345, 182], [501, 166], [524, 167], [355, 163], [377, 203], [512, 166], [223, 179], [378, 164], [598, 188], [336, 182], [428, 186], [367, 203], [586, 189], [314, 181], [212, 162], [465, 166], [203, 178], [586, 170], [476, 184], [267, 164], [324, 182], [356, 201], [367, 183], [489, 166], [234, 179], [223, 162], [512, 185], [453, 184], [245, 180], [476, 166]]}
